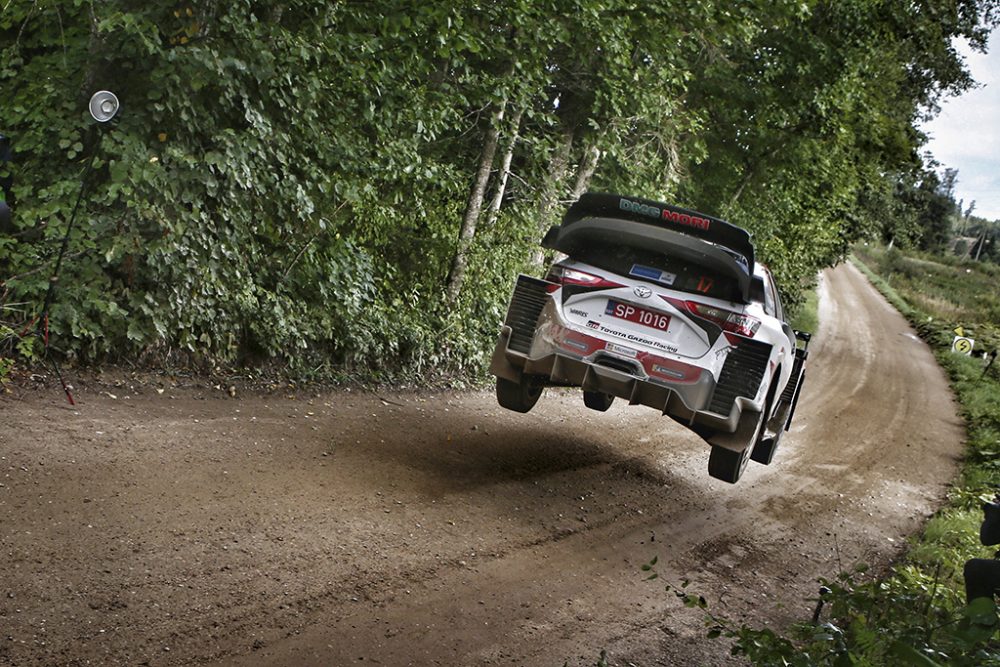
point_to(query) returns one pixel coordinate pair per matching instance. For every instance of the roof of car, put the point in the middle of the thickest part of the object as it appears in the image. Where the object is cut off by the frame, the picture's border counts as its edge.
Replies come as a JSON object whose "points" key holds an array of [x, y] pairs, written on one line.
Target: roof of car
{"points": [[616, 218]]}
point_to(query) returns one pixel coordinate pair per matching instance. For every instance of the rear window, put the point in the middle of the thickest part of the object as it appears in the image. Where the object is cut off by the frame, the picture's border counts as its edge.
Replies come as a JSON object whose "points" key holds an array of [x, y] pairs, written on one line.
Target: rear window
{"points": [[659, 268]]}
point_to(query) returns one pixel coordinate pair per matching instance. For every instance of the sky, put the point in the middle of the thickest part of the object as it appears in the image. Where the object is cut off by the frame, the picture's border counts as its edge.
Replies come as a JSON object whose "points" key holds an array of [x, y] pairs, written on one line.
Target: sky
{"points": [[966, 134]]}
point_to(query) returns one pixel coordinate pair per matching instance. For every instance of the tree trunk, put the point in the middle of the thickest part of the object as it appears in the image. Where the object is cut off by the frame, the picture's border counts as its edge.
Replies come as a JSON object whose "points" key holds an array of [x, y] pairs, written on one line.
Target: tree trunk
{"points": [[672, 171], [558, 167], [473, 207], [980, 244], [508, 155], [588, 165]]}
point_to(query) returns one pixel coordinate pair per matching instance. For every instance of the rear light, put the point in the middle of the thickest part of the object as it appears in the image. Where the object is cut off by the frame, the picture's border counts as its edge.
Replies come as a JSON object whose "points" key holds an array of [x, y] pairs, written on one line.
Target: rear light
{"points": [[566, 276], [736, 323]]}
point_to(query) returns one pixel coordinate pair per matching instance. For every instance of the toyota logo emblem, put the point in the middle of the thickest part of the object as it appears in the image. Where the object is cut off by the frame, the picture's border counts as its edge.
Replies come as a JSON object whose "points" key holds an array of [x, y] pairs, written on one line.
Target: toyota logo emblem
{"points": [[643, 292]]}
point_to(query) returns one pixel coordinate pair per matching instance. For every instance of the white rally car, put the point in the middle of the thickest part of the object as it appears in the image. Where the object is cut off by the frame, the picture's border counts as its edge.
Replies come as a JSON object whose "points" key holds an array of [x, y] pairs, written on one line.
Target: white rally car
{"points": [[662, 307]]}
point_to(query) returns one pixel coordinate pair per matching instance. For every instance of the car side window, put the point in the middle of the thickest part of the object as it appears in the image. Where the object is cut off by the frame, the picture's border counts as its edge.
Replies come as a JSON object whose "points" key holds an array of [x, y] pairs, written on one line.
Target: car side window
{"points": [[757, 290], [760, 291], [772, 296]]}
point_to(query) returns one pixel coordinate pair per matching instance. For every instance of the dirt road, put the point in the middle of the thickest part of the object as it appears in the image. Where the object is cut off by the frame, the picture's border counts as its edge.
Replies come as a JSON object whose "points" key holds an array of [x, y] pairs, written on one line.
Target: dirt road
{"points": [[190, 527]]}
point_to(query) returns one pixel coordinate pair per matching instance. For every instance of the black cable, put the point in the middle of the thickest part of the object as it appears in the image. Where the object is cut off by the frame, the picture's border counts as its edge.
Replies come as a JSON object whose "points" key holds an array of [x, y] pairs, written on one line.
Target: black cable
{"points": [[42, 328]]}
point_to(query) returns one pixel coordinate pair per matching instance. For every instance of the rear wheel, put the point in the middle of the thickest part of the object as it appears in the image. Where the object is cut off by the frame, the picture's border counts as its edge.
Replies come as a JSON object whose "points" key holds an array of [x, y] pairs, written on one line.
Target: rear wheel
{"points": [[598, 400], [726, 464], [519, 396]]}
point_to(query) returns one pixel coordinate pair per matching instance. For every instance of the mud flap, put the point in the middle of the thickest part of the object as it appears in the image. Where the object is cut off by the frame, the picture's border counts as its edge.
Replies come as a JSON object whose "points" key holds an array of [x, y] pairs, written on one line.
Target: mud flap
{"points": [[744, 436], [791, 394], [779, 420], [500, 364]]}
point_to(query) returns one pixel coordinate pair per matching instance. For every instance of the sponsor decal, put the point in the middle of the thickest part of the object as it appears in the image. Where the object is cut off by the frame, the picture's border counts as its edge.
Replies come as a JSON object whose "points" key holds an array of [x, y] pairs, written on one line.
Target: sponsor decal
{"points": [[688, 220], [640, 271], [656, 275], [669, 372], [641, 209], [579, 313], [635, 338], [620, 349], [604, 329], [593, 325], [664, 214]]}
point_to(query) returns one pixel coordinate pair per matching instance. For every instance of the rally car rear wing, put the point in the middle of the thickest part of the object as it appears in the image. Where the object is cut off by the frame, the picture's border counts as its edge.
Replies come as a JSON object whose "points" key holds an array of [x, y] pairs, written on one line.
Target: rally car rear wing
{"points": [[696, 237]]}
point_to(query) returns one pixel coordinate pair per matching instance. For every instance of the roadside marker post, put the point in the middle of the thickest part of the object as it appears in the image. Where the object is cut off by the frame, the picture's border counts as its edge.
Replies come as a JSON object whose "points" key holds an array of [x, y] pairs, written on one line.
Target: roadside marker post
{"points": [[962, 345]]}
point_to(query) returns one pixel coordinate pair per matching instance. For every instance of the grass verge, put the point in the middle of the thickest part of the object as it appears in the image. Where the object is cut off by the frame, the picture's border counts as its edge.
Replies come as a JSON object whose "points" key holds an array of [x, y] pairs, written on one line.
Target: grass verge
{"points": [[806, 315]]}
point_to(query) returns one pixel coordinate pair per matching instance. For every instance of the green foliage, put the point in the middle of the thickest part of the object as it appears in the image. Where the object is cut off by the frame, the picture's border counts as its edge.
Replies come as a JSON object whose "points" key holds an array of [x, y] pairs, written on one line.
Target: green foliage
{"points": [[912, 618], [949, 291], [985, 240], [900, 621], [933, 204], [224, 216], [806, 316], [812, 133], [12, 345], [286, 181]]}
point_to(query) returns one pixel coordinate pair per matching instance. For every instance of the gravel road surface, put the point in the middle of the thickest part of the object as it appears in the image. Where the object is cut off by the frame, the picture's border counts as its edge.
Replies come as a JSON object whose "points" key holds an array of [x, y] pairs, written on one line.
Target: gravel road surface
{"points": [[161, 524]]}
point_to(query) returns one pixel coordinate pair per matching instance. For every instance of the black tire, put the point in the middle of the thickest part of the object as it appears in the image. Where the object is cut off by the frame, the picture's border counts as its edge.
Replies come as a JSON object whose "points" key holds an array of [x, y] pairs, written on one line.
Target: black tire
{"points": [[598, 400], [519, 396], [727, 465], [763, 451]]}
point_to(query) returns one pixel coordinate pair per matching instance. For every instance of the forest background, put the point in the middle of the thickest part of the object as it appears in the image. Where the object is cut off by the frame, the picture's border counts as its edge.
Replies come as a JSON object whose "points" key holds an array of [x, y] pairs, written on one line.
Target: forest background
{"points": [[348, 188]]}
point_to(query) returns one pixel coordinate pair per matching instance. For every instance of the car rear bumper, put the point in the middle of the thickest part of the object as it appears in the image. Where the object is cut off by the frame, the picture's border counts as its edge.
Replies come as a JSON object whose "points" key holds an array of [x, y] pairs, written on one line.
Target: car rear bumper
{"points": [[686, 401]]}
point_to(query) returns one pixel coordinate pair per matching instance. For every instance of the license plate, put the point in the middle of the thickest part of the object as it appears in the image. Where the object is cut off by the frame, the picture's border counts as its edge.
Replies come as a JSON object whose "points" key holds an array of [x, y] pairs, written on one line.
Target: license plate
{"points": [[633, 313]]}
